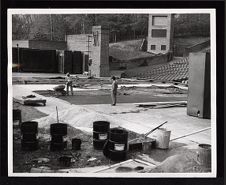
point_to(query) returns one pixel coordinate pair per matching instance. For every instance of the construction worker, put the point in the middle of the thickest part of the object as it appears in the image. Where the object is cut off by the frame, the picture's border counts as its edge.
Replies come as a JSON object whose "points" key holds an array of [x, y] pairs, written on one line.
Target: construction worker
{"points": [[114, 90], [68, 79]]}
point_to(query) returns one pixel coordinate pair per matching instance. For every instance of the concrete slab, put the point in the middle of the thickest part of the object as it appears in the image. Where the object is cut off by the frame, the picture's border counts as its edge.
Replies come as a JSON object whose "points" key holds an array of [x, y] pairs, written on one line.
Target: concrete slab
{"points": [[178, 121], [137, 119]]}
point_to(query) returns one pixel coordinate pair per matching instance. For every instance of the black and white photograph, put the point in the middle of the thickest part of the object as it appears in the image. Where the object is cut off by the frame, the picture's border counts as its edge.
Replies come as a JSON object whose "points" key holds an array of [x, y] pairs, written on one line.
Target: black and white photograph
{"points": [[112, 93]]}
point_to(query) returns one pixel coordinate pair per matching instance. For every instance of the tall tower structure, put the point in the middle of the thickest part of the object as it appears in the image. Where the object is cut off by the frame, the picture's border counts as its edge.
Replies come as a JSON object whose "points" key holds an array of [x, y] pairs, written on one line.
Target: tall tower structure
{"points": [[100, 52], [160, 33]]}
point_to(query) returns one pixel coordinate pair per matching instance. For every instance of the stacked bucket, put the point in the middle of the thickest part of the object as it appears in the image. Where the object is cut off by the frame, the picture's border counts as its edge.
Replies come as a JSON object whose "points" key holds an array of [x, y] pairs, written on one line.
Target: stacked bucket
{"points": [[58, 131], [100, 134], [117, 144], [113, 141], [17, 115], [29, 131]]}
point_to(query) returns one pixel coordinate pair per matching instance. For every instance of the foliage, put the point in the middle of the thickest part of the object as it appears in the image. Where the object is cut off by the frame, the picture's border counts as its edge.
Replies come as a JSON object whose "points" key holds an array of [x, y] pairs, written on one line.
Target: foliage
{"points": [[192, 25], [122, 26]]}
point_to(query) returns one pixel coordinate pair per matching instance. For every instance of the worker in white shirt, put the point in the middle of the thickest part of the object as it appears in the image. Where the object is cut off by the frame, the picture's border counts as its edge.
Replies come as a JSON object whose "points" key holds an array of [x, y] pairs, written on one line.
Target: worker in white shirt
{"points": [[69, 83]]}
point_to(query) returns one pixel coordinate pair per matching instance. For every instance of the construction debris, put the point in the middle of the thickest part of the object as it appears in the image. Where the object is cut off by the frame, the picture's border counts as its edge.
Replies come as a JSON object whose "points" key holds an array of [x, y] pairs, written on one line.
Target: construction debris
{"points": [[181, 163], [131, 165], [31, 100], [162, 104]]}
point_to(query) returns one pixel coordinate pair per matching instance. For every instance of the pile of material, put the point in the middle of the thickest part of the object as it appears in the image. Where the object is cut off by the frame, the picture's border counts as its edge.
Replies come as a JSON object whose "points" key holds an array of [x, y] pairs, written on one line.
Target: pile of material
{"points": [[60, 90], [31, 100]]}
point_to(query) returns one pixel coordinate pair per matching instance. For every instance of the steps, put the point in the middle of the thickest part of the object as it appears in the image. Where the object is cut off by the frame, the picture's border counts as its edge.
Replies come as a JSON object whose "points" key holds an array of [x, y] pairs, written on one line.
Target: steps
{"points": [[176, 70]]}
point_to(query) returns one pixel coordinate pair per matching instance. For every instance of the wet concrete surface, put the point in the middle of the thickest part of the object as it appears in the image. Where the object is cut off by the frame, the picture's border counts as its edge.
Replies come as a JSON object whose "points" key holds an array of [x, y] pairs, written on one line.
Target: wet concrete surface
{"points": [[106, 99]]}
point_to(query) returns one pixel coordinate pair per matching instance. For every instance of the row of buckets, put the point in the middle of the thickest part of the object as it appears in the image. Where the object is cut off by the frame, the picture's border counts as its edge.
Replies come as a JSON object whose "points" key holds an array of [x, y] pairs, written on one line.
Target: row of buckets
{"points": [[116, 138], [58, 131], [112, 141]]}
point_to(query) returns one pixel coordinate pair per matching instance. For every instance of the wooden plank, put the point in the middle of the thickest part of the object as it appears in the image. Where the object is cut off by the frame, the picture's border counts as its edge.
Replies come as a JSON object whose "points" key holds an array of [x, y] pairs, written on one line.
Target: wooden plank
{"points": [[192, 133], [160, 103]]}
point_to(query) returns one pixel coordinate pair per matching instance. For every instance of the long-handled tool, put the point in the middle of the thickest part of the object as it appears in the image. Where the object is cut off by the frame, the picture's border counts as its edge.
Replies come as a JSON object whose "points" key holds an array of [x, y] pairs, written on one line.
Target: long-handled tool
{"points": [[139, 145], [192, 133], [148, 133]]}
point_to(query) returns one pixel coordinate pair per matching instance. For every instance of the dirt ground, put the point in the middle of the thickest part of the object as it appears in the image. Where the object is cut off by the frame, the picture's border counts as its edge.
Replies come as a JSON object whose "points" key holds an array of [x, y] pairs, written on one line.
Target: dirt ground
{"points": [[175, 159], [24, 161]]}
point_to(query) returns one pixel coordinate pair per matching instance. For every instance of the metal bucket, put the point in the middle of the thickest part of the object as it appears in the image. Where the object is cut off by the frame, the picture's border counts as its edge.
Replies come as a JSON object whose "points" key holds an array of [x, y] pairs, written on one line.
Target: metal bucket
{"points": [[58, 129], [148, 145], [17, 115], [100, 134], [65, 160], [162, 138], [76, 144], [29, 130], [29, 145], [204, 155], [58, 146], [118, 141], [29, 127]]}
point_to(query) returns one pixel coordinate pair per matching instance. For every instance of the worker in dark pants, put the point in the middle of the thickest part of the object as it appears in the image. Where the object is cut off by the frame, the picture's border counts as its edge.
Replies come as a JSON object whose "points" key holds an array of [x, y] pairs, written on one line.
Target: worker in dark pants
{"points": [[69, 83], [114, 90]]}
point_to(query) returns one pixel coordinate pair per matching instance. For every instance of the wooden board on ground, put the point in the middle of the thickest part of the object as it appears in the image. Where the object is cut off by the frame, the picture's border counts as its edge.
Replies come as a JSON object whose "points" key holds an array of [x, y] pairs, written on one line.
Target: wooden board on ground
{"points": [[31, 101], [161, 103]]}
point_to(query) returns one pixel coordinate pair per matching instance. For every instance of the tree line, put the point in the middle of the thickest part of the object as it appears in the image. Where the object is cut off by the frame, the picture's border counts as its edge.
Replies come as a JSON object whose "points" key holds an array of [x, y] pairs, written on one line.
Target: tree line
{"points": [[122, 26]]}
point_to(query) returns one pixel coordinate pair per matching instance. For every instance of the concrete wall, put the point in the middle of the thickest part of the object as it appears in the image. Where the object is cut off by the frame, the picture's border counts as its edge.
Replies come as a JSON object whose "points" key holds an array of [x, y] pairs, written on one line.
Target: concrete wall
{"points": [[160, 24], [79, 42], [43, 45], [100, 52], [47, 45], [196, 48], [21, 43]]}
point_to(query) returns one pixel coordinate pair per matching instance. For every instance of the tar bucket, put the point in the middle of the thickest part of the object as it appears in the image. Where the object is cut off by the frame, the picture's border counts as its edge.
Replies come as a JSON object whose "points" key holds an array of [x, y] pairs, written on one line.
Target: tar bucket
{"points": [[58, 129], [118, 141], [58, 133], [29, 127], [29, 145], [148, 145], [29, 140], [76, 144], [65, 160], [162, 138], [100, 134], [17, 115], [204, 155]]}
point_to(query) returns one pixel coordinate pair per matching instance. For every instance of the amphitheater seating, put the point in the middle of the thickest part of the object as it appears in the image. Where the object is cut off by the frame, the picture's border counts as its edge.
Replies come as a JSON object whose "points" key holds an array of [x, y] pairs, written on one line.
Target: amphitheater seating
{"points": [[175, 70]]}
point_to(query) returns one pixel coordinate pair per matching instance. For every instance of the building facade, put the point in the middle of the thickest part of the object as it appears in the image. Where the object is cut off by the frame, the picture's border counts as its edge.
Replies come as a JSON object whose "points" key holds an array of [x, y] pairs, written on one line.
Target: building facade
{"points": [[160, 33]]}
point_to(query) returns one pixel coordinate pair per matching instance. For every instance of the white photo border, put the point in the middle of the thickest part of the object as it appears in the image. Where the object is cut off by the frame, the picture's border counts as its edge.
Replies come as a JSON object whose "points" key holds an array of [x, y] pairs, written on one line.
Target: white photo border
{"points": [[210, 11]]}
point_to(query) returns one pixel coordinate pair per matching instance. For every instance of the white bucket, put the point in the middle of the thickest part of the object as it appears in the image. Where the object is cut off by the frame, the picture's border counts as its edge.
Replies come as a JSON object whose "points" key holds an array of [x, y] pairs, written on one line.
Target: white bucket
{"points": [[162, 138]]}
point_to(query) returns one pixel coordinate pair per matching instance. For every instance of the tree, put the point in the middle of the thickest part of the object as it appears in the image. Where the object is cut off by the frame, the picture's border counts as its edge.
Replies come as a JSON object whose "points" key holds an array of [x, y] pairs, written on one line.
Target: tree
{"points": [[21, 25], [192, 25]]}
